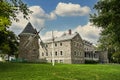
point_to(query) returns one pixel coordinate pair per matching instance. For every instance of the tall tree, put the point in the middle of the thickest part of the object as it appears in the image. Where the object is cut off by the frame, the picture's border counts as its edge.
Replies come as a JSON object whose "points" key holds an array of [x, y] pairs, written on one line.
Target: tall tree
{"points": [[8, 12], [108, 18]]}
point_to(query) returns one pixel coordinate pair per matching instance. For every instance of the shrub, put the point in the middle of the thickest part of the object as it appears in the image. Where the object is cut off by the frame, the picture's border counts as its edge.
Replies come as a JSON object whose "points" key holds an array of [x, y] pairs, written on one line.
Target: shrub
{"points": [[91, 62]]}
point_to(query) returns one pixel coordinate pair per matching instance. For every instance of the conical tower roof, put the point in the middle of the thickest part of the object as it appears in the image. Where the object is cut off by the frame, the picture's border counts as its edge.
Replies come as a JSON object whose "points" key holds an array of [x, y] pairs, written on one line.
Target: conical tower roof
{"points": [[29, 29]]}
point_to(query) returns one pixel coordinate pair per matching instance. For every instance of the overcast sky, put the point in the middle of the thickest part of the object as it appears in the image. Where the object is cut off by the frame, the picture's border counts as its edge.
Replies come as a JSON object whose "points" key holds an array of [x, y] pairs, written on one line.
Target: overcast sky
{"points": [[59, 16]]}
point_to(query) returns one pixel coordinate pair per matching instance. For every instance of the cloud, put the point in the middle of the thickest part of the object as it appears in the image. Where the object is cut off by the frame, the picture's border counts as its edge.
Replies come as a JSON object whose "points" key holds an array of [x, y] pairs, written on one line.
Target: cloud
{"points": [[37, 18], [64, 9], [38, 12], [48, 34], [87, 32]]}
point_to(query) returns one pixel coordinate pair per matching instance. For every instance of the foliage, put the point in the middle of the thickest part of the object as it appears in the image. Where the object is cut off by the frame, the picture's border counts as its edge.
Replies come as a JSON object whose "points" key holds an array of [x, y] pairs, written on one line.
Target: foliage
{"points": [[8, 42], [108, 18], [116, 57], [91, 62], [31, 71], [9, 9]]}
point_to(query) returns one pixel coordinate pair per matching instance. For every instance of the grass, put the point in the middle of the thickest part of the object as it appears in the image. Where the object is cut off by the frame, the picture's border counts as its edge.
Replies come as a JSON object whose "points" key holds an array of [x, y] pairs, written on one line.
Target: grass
{"points": [[30, 71]]}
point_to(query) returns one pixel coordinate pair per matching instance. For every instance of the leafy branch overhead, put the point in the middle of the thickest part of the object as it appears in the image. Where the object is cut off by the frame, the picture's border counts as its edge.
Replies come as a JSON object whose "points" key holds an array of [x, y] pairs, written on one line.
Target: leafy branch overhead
{"points": [[108, 18], [9, 10]]}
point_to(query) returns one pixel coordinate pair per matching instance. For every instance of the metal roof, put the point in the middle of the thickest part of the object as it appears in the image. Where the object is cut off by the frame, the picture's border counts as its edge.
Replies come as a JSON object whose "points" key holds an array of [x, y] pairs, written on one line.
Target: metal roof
{"points": [[62, 38], [29, 29]]}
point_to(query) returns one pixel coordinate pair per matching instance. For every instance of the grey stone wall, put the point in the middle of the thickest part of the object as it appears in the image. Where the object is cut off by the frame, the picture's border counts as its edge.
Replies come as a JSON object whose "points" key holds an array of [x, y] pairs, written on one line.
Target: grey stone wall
{"points": [[68, 48], [31, 51], [64, 57], [77, 50]]}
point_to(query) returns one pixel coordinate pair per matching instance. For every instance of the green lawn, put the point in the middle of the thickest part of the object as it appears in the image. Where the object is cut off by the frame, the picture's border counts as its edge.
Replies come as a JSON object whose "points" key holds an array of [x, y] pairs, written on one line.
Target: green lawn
{"points": [[29, 71]]}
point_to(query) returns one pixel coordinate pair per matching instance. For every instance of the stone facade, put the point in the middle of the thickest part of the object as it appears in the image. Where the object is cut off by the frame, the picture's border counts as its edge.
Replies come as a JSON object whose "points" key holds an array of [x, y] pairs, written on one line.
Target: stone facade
{"points": [[77, 50], [28, 46], [67, 49], [90, 52]]}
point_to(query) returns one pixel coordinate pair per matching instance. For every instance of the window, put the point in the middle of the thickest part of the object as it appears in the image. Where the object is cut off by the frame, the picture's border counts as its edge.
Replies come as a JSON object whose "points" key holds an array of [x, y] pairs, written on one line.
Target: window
{"points": [[80, 45], [77, 44], [61, 61], [46, 54], [56, 53], [75, 53], [34, 50], [56, 61], [95, 55], [37, 56], [61, 53], [60, 44], [42, 54], [85, 54], [55, 44], [86, 49], [46, 45]]}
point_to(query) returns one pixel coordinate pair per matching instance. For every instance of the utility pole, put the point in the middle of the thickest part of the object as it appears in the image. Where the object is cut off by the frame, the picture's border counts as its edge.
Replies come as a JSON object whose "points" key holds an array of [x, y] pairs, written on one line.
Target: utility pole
{"points": [[53, 61]]}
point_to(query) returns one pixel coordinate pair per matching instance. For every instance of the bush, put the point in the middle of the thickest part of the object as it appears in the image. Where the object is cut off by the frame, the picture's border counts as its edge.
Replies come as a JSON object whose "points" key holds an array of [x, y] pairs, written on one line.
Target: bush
{"points": [[18, 60], [91, 62]]}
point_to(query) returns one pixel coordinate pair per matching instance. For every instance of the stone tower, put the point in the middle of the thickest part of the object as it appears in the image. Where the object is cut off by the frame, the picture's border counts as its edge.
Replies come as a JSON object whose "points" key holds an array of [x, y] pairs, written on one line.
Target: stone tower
{"points": [[29, 46]]}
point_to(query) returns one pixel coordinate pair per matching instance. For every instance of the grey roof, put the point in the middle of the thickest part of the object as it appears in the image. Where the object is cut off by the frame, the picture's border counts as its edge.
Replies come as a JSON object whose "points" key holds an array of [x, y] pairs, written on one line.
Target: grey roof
{"points": [[29, 29], [62, 38], [87, 42]]}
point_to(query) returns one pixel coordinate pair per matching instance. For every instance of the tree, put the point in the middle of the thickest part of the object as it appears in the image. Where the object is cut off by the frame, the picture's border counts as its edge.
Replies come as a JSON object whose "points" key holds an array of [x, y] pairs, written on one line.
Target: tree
{"points": [[8, 12], [116, 57], [10, 43], [108, 18]]}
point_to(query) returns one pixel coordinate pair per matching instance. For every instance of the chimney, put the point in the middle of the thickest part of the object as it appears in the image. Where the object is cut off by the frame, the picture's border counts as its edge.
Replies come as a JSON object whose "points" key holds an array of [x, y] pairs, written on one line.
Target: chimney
{"points": [[70, 31]]}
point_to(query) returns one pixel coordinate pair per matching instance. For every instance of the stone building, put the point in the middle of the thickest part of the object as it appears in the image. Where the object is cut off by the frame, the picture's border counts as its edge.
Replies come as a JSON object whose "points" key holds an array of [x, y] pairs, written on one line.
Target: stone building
{"points": [[92, 54], [28, 46], [90, 51], [67, 49]]}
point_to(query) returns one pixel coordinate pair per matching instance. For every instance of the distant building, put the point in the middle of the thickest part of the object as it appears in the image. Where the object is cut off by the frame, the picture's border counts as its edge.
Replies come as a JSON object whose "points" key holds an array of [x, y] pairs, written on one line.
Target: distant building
{"points": [[1, 57], [29, 46], [90, 51], [4, 57], [67, 49], [92, 54]]}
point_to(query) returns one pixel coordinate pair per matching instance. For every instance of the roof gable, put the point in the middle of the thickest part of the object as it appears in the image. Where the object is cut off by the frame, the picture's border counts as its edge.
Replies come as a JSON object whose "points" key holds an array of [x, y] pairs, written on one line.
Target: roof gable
{"points": [[29, 29]]}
